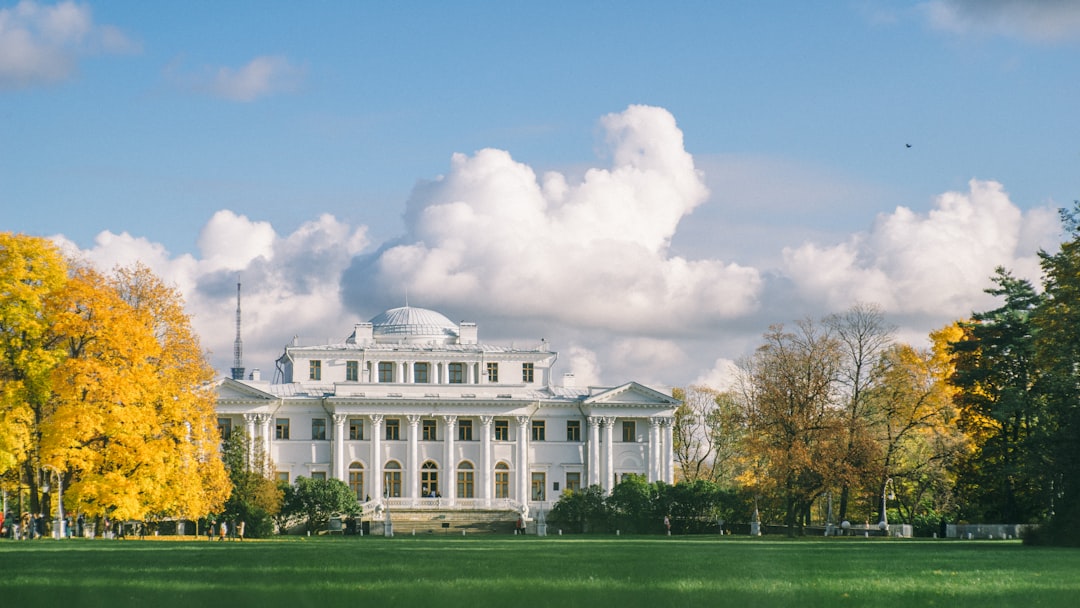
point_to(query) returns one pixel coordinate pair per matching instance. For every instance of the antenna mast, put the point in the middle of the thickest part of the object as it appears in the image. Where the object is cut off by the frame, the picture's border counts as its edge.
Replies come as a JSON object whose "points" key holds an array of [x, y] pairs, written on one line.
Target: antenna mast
{"points": [[238, 345]]}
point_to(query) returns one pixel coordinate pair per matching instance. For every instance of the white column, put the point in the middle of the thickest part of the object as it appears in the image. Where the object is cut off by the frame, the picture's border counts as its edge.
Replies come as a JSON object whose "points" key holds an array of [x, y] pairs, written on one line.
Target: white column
{"points": [[609, 455], [450, 488], [669, 451], [412, 467], [249, 428], [654, 450], [523, 459], [376, 456], [265, 420], [485, 459], [593, 465], [338, 450]]}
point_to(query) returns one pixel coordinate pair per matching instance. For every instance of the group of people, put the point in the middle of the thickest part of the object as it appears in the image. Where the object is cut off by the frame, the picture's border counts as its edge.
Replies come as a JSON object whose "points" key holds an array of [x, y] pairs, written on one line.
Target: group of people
{"points": [[225, 530], [34, 525]]}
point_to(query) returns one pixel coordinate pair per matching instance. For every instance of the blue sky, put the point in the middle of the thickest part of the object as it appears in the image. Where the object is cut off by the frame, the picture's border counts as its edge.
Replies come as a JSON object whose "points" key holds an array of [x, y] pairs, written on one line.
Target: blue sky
{"points": [[144, 131]]}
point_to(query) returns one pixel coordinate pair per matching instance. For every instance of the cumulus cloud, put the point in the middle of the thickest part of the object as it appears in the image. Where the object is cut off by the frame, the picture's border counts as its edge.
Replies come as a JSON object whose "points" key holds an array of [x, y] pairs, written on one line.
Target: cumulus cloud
{"points": [[291, 283], [587, 264], [1041, 20], [492, 237], [41, 44], [932, 264], [261, 77]]}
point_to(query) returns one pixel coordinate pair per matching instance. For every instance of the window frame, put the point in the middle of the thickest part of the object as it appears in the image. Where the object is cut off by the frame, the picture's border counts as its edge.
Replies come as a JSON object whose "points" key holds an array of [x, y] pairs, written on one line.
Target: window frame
{"points": [[352, 371], [573, 481], [393, 429], [317, 425], [386, 372], [464, 430], [631, 426], [315, 369], [455, 373], [422, 372], [356, 424], [538, 430], [573, 430], [429, 430], [528, 372], [493, 372], [502, 427], [281, 429]]}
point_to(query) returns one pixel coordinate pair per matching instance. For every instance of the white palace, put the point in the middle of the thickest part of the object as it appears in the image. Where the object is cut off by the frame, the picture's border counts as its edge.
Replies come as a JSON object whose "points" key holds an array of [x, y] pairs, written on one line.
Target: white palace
{"points": [[412, 411]]}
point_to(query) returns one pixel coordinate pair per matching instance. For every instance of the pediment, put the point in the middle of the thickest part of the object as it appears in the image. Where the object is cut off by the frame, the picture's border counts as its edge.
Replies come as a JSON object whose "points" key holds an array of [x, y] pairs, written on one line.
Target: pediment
{"points": [[631, 394], [232, 390]]}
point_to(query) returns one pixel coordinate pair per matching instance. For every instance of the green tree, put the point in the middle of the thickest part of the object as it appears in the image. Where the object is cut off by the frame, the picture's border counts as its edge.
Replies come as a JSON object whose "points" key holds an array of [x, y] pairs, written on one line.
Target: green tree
{"points": [[255, 498], [1058, 356], [1003, 478], [315, 501], [583, 510], [707, 430]]}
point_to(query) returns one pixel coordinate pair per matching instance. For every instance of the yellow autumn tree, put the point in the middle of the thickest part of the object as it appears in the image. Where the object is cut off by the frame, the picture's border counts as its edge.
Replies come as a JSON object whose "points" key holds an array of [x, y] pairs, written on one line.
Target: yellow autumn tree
{"points": [[32, 271], [132, 422]]}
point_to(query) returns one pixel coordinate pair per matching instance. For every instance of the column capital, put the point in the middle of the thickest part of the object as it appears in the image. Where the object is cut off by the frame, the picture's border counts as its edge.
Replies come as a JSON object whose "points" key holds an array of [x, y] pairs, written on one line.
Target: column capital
{"points": [[251, 418], [450, 419], [262, 418], [376, 418], [339, 419], [486, 420], [523, 420], [607, 421], [655, 422], [414, 419]]}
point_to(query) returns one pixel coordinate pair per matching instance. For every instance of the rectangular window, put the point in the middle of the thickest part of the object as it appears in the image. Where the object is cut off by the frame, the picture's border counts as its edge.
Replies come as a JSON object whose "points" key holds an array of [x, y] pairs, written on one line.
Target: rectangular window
{"points": [[321, 475], [318, 429], [502, 430], [629, 431], [356, 483], [386, 371], [393, 429], [282, 476], [457, 373], [352, 371], [356, 429], [538, 487], [573, 430], [224, 427], [465, 484], [314, 369], [573, 482], [421, 373], [427, 430], [464, 430], [281, 428], [502, 483], [537, 430], [493, 372], [526, 372]]}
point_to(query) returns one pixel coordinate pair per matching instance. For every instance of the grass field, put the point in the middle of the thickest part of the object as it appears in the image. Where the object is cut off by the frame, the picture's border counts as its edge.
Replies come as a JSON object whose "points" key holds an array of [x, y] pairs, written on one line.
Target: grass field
{"points": [[553, 571]]}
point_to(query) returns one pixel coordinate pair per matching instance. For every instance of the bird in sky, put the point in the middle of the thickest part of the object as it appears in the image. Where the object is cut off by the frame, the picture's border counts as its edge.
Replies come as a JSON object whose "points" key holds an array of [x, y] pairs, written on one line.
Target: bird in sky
{"points": [[907, 145]]}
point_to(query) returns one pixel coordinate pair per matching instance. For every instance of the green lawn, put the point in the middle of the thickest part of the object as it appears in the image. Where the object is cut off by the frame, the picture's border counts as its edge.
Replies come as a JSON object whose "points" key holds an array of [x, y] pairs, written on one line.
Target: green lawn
{"points": [[554, 571]]}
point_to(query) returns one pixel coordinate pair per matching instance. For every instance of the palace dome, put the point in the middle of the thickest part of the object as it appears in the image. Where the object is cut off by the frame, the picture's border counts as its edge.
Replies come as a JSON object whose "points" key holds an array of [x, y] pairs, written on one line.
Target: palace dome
{"points": [[413, 325]]}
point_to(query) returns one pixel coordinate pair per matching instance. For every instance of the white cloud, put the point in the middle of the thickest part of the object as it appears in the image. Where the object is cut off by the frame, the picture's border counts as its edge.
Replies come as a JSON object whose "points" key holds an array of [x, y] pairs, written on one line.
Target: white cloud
{"points": [[1037, 20], [933, 264], [41, 44], [586, 264], [261, 77], [589, 254]]}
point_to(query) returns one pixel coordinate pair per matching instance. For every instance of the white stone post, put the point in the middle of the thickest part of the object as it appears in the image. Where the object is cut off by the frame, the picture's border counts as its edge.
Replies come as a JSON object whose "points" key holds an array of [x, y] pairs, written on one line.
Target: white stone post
{"points": [[654, 450], [485, 459], [523, 459], [451, 466], [593, 465], [249, 427], [669, 451], [338, 451], [609, 454], [376, 456], [412, 466]]}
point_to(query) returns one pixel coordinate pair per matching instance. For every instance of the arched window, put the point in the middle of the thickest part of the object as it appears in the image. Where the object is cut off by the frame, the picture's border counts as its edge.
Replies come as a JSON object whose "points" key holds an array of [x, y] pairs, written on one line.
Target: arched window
{"points": [[429, 480], [356, 480], [392, 479], [465, 480], [502, 480]]}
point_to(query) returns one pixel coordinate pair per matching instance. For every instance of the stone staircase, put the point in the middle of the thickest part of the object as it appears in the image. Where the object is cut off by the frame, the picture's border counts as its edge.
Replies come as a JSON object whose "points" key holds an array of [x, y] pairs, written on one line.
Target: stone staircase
{"points": [[452, 522]]}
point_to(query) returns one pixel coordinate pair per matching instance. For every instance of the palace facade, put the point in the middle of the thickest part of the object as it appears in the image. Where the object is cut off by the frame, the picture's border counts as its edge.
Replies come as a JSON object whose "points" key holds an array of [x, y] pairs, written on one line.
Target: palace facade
{"points": [[413, 411]]}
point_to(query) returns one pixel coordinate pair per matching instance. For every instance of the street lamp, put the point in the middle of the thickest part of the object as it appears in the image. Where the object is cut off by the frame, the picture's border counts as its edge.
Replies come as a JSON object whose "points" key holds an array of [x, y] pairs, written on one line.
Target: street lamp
{"points": [[59, 498], [886, 494]]}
